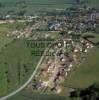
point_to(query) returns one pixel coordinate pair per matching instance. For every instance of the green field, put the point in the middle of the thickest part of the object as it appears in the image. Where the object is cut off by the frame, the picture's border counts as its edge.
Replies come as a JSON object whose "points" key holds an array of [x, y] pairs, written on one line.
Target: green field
{"points": [[84, 76], [96, 39], [4, 40], [8, 27], [18, 58], [31, 6], [23, 95], [93, 3], [17, 62]]}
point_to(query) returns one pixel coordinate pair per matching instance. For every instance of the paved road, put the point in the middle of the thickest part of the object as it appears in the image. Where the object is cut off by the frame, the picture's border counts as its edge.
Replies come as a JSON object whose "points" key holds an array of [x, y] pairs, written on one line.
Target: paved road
{"points": [[29, 80]]}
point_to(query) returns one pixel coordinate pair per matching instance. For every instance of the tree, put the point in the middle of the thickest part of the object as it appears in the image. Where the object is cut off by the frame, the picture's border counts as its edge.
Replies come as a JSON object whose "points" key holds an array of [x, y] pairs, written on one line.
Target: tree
{"points": [[22, 12], [90, 93], [0, 4], [77, 1]]}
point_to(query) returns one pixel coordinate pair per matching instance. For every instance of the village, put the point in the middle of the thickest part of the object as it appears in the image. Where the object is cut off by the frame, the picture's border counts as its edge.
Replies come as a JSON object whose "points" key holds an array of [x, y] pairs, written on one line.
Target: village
{"points": [[75, 21], [59, 61], [68, 52], [49, 49]]}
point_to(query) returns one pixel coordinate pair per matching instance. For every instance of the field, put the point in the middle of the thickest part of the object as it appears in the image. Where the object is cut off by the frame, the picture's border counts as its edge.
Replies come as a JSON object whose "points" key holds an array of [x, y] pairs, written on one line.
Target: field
{"points": [[87, 73], [31, 6], [23, 95], [4, 40], [96, 39], [7, 27], [93, 3], [18, 59], [83, 76]]}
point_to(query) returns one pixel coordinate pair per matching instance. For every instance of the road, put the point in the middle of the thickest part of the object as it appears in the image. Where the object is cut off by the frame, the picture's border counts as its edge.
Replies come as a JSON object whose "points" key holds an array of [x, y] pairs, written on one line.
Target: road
{"points": [[29, 80]]}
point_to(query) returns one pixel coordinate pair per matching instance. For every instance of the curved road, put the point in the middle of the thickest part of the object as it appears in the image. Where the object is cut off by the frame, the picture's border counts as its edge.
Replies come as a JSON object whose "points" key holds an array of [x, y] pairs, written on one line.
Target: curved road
{"points": [[29, 80]]}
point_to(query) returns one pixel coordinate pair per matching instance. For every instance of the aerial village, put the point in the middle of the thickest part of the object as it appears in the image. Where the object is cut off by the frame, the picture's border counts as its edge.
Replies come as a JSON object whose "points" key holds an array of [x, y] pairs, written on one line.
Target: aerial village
{"points": [[59, 61], [78, 20], [67, 52]]}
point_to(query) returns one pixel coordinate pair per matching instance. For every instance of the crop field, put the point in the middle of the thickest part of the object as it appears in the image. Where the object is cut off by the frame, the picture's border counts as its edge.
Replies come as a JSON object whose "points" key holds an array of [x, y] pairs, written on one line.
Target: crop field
{"points": [[87, 73]]}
